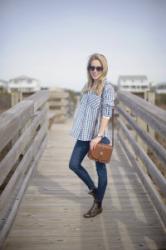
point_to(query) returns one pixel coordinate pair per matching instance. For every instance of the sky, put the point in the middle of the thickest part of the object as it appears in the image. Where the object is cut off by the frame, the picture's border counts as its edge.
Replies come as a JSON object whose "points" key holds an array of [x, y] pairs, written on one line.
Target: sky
{"points": [[52, 40]]}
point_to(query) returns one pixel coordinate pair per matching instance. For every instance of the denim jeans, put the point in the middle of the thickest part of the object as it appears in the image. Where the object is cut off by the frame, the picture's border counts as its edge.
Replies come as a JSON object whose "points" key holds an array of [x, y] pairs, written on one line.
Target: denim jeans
{"points": [[80, 150]]}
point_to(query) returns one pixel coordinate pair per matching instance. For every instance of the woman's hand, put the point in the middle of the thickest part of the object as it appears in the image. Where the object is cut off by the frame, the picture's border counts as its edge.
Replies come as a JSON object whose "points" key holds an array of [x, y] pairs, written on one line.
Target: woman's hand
{"points": [[94, 142]]}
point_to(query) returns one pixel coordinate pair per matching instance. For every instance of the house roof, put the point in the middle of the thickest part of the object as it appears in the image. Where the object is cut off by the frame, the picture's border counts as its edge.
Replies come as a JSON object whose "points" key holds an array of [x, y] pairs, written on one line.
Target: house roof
{"points": [[132, 77], [22, 78]]}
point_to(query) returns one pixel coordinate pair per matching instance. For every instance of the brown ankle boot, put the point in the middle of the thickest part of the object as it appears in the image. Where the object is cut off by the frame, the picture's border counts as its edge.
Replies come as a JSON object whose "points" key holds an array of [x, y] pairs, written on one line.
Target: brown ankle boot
{"points": [[94, 210]]}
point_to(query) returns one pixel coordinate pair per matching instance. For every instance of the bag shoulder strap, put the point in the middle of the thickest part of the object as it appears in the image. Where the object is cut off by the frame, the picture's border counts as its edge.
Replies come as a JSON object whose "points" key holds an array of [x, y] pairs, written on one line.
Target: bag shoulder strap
{"points": [[112, 118]]}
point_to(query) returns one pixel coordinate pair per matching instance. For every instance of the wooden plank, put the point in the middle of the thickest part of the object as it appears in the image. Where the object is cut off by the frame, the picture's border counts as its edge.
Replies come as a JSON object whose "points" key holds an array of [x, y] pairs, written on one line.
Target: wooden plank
{"points": [[39, 98], [156, 199], [154, 145], [13, 120], [19, 147], [154, 116], [23, 166], [9, 221], [147, 107], [157, 177]]}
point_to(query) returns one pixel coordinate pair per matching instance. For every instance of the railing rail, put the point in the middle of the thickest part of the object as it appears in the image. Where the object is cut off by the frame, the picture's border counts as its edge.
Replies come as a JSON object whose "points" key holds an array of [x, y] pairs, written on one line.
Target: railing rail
{"points": [[128, 122], [153, 115], [23, 135]]}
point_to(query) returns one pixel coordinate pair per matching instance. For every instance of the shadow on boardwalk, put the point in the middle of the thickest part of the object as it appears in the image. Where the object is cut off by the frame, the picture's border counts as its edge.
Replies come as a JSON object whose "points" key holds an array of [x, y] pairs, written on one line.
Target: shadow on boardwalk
{"points": [[50, 216]]}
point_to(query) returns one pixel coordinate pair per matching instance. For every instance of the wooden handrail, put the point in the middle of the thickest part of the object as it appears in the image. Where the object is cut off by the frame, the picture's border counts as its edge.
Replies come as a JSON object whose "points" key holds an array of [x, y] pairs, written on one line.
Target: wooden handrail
{"points": [[152, 169], [155, 118], [153, 144], [24, 127]]}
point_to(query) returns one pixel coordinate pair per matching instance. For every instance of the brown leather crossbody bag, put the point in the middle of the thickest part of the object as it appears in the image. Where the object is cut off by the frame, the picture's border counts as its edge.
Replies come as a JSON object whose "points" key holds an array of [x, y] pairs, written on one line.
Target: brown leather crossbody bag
{"points": [[103, 150]]}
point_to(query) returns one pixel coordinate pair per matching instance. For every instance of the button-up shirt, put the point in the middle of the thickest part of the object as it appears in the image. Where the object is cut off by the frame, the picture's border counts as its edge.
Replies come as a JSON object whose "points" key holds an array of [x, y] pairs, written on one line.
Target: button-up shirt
{"points": [[89, 111]]}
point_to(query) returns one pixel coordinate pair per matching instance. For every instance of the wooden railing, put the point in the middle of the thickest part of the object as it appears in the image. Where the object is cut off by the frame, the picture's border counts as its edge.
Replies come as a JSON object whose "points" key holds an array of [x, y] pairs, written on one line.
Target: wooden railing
{"points": [[23, 135], [138, 123]]}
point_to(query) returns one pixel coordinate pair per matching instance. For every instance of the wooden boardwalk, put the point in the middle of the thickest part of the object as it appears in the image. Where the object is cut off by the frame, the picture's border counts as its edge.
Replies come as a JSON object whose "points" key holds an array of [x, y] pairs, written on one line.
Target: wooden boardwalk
{"points": [[50, 215]]}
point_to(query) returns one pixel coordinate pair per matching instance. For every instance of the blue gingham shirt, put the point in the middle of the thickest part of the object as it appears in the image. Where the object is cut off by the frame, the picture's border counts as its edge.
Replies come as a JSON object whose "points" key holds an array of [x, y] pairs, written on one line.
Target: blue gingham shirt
{"points": [[90, 110]]}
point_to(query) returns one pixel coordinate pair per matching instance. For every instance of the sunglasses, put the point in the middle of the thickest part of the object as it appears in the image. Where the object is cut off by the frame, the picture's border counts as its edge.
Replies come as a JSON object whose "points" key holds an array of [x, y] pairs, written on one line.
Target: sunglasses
{"points": [[92, 68]]}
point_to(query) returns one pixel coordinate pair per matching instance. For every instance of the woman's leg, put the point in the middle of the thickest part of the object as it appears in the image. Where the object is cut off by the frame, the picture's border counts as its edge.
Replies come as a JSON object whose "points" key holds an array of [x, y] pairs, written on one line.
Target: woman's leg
{"points": [[102, 180], [99, 195], [81, 148]]}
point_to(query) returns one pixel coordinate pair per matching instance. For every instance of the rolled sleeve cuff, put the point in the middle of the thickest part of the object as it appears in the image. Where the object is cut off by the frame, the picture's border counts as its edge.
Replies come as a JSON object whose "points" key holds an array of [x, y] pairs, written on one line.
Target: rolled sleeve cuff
{"points": [[107, 111]]}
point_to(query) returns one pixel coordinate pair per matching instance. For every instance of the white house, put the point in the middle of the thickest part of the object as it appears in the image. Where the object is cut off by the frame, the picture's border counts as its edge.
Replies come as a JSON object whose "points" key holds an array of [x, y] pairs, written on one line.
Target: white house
{"points": [[24, 84], [133, 83]]}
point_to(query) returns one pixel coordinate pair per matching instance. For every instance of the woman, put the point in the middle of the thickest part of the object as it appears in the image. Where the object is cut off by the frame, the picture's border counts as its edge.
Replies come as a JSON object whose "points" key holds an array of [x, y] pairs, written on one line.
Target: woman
{"points": [[90, 126]]}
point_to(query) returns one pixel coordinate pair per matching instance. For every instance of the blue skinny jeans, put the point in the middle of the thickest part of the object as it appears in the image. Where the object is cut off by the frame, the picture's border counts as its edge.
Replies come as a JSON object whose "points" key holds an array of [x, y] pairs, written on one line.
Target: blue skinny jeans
{"points": [[80, 150]]}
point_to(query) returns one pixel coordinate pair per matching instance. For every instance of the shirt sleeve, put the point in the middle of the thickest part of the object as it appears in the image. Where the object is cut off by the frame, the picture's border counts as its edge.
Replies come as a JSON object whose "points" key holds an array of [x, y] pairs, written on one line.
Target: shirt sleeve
{"points": [[107, 101]]}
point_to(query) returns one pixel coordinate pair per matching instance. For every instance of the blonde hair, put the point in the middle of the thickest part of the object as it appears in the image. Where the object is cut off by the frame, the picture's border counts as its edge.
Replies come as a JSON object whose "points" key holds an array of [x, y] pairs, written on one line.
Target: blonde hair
{"points": [[98, 87]]}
